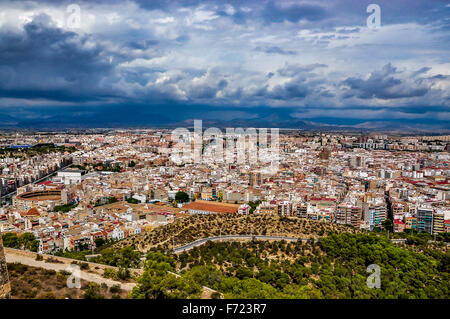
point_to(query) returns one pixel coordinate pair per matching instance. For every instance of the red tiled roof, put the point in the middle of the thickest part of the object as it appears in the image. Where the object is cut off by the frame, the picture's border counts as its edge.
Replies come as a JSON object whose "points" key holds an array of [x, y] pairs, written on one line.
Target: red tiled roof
{"points": [[45, 183], [210, 207]]}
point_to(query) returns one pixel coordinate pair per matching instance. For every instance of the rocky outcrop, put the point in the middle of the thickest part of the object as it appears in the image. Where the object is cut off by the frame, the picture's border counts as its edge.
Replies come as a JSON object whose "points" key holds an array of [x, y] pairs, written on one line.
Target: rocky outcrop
{"points": [[5, 286]]}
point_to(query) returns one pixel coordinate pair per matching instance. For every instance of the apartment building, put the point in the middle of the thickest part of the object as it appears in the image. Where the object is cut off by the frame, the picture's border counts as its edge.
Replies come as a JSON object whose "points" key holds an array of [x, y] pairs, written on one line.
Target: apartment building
{"points": [[377, 214], [411, 222], [425, 219], [438, 221], [348, 214]]}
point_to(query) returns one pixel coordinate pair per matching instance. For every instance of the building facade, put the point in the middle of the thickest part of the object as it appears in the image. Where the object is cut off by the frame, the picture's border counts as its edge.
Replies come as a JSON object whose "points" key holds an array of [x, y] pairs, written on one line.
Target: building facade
{"points": [[425, 220], [348, 215]]}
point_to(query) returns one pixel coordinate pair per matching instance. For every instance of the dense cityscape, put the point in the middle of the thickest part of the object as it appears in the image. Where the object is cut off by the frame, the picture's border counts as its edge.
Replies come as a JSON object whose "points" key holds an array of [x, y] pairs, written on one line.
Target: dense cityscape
{"points": [[223, 158], [74, 195], [367, 181]]}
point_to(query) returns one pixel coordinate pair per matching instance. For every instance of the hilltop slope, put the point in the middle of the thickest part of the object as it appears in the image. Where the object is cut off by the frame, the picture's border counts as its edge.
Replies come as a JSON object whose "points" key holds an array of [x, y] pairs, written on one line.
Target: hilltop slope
{"points": [[190, 228]]}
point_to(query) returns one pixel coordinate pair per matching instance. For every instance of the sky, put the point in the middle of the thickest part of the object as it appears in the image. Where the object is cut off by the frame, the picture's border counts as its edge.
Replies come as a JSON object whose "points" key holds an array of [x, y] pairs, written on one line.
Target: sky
{"points": [[141, 62]]}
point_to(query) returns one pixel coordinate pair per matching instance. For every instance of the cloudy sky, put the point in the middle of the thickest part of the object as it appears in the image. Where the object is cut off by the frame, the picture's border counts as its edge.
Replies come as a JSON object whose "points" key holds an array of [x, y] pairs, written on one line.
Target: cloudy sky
{"points": [[148, 61]]}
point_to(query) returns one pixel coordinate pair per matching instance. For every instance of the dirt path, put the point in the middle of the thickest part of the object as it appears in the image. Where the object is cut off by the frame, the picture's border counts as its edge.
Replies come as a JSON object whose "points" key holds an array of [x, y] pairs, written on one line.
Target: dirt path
{"points": [[12, 258]]}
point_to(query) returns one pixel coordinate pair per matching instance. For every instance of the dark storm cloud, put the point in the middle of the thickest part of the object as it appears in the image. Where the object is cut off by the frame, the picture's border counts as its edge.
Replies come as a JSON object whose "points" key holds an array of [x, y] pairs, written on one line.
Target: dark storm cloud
{"points": [[288, 91], [425, 69], [46, 62], [158, 53], [182, 38], [383, 84], [292, 70], [275, 50], [141, 45], [238, 17], [207, 90], [330, 12], [301, 83], [167, 4], [438, 77], [275, 11]]}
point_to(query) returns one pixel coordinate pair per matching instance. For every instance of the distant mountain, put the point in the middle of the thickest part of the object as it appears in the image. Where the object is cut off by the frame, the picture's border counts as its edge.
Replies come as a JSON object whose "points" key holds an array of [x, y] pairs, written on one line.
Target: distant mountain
{"points": [[382, 126], [256, 123], [401, 127], [8, 121], [122, 119]]}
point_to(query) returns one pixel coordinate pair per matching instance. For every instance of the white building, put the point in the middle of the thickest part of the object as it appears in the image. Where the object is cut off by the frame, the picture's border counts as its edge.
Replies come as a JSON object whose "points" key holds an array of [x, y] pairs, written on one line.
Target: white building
{"points": [[68, 177], [244, 209], [117, 234]]}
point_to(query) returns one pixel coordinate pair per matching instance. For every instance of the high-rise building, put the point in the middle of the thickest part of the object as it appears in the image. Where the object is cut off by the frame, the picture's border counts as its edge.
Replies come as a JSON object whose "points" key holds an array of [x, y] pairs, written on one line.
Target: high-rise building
{"points": [[398, 210], [284, 208], [425, 219], [438, 222], [349, 215], [255, 179], [302, 210], [5, 287], [377, 215]]}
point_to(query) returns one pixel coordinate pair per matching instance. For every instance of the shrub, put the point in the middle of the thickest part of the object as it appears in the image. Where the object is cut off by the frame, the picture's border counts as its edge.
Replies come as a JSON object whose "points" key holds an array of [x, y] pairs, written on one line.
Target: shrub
{"points": [[47, 295], [123, 273], [53, 260], [84, 266], [93, 292], [115, 289], [110, 273], [19, 268], [216, 295]]}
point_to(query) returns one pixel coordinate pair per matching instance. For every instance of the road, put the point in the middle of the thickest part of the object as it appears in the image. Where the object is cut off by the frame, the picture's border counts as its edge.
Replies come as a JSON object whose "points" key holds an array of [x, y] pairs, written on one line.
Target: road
{"points": [[12, 258]]}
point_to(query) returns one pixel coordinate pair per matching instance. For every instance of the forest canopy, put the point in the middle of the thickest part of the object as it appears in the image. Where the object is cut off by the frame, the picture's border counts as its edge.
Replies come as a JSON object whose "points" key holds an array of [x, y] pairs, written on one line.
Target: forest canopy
{"points": [[335, 267]]}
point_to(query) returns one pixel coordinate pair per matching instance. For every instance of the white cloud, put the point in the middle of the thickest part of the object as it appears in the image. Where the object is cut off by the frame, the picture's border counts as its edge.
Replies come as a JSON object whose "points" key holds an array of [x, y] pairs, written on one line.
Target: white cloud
{"points": [[194, 47]]}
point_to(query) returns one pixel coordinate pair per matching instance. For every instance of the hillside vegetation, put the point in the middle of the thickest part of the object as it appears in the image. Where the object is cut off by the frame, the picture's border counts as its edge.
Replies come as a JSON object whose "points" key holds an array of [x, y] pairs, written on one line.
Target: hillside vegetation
{"points": [[190, 228], [335, 267], [29, 282]]}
